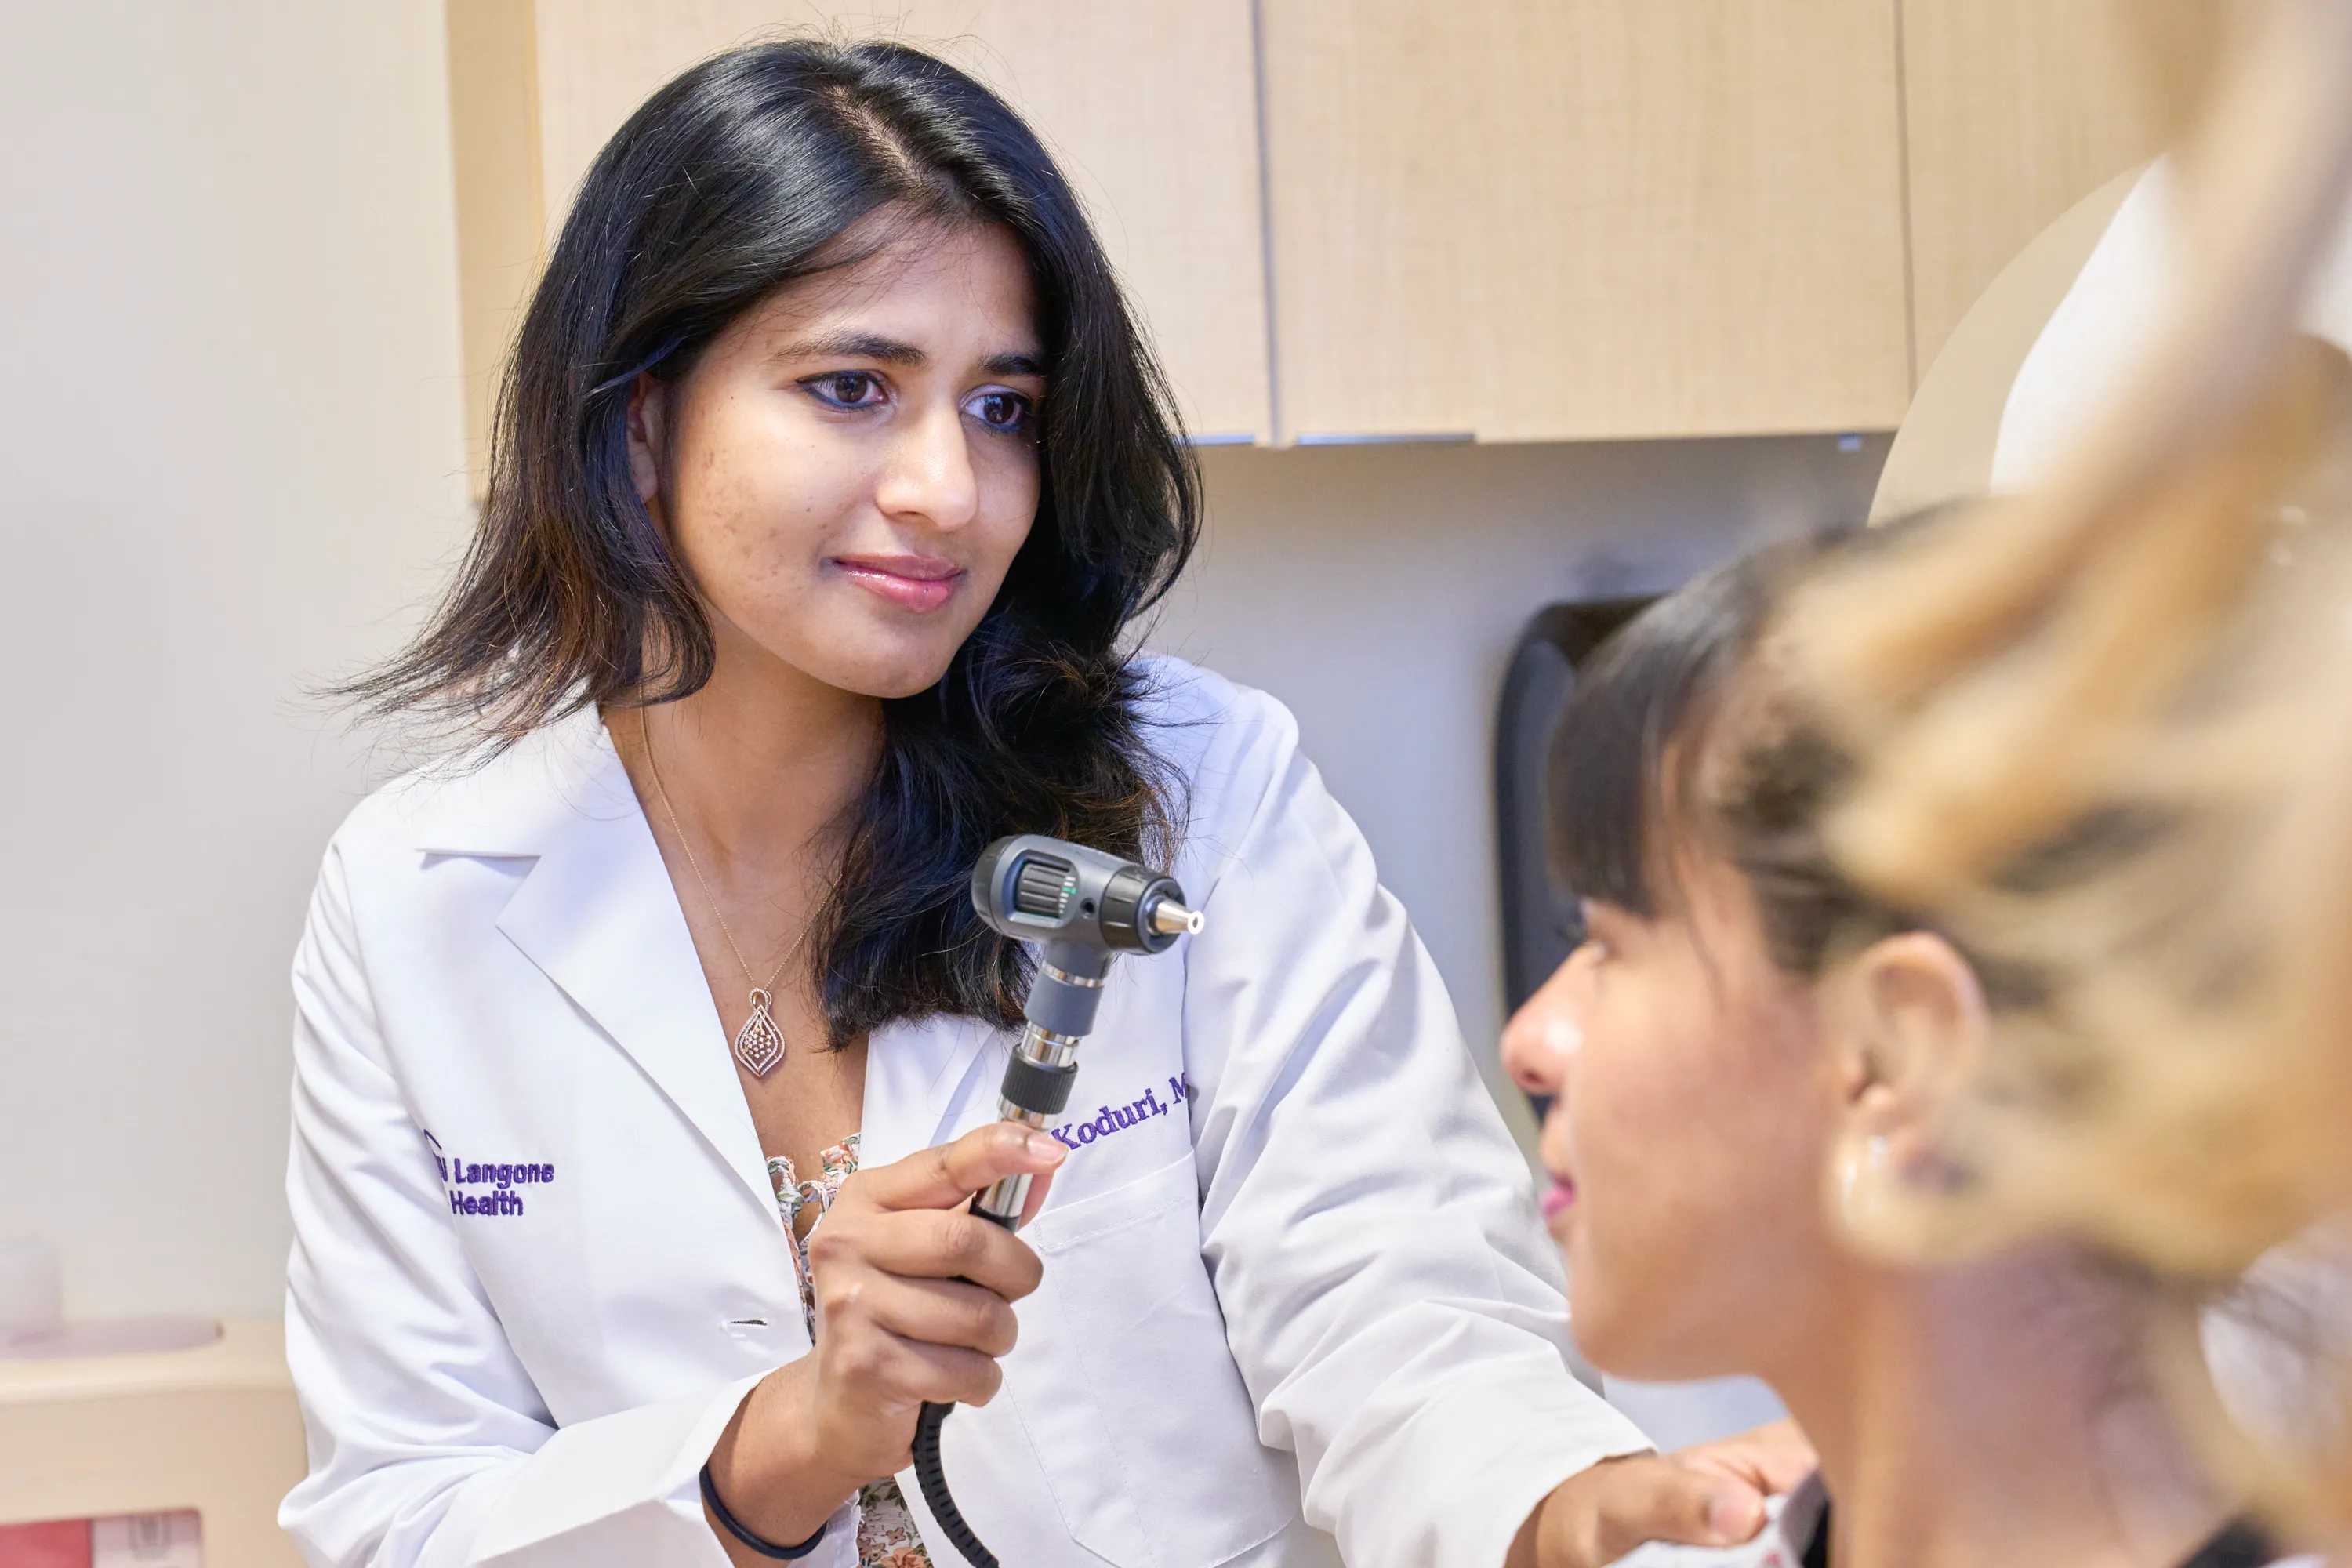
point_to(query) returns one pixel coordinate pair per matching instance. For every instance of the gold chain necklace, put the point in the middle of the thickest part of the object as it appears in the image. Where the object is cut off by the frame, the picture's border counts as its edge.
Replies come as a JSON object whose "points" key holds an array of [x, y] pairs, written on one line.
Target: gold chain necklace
{"points": [[759, 1045]]}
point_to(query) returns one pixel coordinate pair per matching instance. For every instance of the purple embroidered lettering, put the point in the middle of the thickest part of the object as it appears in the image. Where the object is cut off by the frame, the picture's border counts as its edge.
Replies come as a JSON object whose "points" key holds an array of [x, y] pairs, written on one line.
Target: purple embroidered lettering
{"points": [[1111, 1118], [501, 1202]]}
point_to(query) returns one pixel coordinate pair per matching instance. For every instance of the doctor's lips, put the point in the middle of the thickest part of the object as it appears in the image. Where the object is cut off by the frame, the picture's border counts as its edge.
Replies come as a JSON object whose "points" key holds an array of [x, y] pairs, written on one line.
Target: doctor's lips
{"points": [[909, 581], [1559, 1198]]}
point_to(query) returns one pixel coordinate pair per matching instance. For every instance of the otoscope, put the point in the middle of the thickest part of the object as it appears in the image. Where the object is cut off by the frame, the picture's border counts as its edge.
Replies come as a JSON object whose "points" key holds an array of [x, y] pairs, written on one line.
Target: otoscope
{"points": [[1085, 907]]}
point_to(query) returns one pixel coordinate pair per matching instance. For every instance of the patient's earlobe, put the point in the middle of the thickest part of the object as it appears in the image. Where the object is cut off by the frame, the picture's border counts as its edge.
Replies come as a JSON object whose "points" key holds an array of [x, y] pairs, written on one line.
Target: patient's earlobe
{"points": [[1909, 1025]]}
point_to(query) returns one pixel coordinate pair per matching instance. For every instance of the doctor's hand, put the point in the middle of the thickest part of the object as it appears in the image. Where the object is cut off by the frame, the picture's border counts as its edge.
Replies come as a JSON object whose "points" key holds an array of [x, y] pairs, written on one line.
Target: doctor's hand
{"points": [[1709, 1495], [914, 1303]]}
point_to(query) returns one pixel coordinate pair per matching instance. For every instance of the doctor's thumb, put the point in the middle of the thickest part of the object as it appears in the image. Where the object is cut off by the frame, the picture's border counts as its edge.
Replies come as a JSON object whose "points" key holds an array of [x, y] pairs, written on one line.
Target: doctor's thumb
{"points": [[1598, 1515], [1734, 1513], [1675, 1503]]}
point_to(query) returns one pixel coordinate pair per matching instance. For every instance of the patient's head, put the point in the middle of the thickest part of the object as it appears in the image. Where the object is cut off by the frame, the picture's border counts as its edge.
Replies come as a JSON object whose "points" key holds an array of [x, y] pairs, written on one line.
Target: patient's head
{"points": [[1740, 1027]]}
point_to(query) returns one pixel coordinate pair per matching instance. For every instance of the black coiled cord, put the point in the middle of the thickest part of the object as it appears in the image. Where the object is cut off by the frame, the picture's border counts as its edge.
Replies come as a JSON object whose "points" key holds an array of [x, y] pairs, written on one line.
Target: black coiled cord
{"points": [[932, 1477], [933, 1480]]}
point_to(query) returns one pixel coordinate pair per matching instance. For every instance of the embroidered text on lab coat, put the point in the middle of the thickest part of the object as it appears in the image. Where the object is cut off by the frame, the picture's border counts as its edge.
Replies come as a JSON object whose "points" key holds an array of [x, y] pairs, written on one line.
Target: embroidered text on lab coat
{"points": [[501, 1177], [1119, 1118]]}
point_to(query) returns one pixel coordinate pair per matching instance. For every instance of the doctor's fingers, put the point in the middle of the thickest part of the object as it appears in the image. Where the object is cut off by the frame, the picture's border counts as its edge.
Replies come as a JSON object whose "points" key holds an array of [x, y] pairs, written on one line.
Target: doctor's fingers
{"points": [[925, 1244], [890, 1371], [944, 1177], [947, 1312]]}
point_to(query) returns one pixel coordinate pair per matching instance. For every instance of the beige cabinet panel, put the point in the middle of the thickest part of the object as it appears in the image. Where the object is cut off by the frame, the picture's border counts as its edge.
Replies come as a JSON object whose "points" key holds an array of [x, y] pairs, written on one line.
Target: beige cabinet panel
{"points": [[2015, 110], [1548, 219], [1150, 105]]}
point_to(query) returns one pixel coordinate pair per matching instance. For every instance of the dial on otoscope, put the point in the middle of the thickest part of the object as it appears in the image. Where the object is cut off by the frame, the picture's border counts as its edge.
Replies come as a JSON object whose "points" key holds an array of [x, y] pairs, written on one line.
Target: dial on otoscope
{"points": [[1086, 906]]}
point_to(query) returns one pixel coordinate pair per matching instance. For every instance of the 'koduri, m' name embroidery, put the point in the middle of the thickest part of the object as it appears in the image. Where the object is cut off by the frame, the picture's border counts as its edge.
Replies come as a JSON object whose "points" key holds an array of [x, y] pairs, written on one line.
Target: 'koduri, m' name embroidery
{"points": [[1119, 1118]]}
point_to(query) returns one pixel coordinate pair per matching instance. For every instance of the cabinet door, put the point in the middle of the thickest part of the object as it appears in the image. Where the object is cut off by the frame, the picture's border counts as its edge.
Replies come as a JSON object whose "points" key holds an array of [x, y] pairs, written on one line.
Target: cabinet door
{"points": [[1549, 219], [1149, 106], [2018, 109]]}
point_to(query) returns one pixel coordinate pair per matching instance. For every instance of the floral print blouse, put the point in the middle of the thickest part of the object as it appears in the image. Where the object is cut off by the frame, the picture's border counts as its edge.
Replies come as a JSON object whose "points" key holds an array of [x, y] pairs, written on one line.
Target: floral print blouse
{"points": [[887, 1537]]}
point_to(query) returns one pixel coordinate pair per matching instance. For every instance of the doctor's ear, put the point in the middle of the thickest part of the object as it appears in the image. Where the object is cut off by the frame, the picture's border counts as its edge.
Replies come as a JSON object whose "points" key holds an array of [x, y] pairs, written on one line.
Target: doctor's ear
{"points": [[648, 428], [1909, 1028]]}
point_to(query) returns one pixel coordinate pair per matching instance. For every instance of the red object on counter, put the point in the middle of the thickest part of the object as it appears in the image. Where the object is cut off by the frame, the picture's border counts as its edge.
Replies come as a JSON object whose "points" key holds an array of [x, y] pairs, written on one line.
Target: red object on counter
{"points": [[54, 1544]]}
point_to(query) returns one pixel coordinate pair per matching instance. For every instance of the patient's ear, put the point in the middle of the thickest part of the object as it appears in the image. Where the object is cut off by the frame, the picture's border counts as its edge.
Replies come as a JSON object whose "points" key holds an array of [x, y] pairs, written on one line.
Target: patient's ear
{"points": [[1908, 1030]]}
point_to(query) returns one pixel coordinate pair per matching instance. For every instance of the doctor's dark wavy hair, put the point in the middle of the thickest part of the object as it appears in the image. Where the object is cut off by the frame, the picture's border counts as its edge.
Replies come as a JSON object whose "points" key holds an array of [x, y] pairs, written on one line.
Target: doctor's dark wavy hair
{"points": [[741, 176]]}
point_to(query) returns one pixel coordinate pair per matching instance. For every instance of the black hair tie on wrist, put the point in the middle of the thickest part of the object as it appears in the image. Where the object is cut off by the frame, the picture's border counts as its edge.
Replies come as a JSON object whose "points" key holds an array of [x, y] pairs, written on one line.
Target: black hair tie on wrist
{"points": [[734, 1526]]}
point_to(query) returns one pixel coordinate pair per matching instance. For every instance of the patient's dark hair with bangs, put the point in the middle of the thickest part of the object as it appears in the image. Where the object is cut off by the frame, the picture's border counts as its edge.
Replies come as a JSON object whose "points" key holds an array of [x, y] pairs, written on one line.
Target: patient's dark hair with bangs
{"points": [[740, 177], [1673, 729]]}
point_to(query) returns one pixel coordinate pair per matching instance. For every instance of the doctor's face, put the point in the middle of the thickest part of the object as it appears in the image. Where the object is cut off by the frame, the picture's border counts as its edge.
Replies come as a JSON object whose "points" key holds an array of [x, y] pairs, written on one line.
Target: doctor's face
{"points": [[849, 468], [1690, 1127]]}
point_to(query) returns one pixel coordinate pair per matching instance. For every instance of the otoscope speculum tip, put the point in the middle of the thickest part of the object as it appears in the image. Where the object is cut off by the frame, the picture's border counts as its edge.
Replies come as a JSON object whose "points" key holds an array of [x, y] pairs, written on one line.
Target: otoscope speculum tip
{"points": [[1169, 918]]}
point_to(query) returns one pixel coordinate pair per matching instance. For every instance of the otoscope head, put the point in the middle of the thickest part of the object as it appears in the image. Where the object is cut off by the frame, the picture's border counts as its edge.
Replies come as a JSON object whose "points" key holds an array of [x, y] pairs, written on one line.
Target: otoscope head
{"points": [[1035, 889]]}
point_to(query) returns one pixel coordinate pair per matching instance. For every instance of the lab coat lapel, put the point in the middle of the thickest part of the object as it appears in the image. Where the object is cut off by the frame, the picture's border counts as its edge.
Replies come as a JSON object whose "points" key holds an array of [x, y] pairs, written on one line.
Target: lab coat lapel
{"points": [[599, 918]]}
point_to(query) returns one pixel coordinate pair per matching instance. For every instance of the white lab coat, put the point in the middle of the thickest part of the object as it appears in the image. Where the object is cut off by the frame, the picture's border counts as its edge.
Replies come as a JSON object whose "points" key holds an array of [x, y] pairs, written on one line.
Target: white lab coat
{"points": [[1297, 1290]]}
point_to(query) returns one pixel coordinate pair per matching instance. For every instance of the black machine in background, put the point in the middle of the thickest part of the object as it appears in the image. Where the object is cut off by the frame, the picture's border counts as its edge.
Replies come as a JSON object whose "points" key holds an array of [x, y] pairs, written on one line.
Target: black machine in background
{"points": [[1540, 922]]}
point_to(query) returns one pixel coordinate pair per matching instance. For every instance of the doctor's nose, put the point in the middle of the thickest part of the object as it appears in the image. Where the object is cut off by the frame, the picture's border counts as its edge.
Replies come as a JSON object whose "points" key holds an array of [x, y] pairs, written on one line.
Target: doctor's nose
{"points": [[1540, 1042], [931, 477]]}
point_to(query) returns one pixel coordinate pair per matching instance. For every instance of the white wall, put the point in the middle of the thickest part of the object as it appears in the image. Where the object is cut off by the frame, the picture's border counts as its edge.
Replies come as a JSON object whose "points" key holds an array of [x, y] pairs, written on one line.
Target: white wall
{"points": [[228, 301]]}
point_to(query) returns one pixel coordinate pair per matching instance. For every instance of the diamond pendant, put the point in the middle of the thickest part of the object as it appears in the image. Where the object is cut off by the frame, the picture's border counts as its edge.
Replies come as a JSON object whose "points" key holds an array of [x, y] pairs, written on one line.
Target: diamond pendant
{"points": [[759, 1045]]}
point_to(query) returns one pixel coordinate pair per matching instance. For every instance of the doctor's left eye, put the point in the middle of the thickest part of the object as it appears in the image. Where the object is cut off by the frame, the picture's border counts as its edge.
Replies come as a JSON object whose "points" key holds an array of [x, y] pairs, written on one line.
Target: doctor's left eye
{"points": [[1001, 410]]}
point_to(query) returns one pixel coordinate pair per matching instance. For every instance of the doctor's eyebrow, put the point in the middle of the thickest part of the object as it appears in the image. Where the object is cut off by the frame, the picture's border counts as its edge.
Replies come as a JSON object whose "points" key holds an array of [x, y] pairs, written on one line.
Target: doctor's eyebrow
{"points": [[891, 351], [1014, 365]]}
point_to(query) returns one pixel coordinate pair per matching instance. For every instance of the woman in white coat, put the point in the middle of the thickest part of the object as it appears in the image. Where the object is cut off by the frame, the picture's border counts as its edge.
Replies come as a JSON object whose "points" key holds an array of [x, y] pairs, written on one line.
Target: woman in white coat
{"points": [[830, 476]]}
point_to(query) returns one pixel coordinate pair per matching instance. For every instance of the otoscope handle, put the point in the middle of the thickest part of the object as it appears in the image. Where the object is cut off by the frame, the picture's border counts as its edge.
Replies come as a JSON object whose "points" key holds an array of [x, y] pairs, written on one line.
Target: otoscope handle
{"points": [[1082, 906]]}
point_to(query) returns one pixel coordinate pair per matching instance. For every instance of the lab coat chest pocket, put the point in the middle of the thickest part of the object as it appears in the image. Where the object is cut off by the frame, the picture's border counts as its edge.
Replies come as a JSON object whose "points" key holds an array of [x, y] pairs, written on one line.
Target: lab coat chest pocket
{"points": [[1124, 1381]]}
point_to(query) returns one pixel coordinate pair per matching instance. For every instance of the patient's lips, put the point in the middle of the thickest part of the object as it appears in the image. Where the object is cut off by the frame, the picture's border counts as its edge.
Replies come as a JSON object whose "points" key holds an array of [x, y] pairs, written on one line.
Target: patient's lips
{"points": [[1559, 1198]]}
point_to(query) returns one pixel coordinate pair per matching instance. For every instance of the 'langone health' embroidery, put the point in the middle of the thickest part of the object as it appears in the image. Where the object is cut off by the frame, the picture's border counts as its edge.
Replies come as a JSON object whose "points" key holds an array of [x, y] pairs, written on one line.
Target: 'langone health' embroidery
{"points": [[501, 1177]]}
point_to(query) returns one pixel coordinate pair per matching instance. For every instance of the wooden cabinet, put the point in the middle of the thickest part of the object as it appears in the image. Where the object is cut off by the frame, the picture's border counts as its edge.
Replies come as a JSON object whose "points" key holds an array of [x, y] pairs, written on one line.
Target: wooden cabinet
{"points": [[1149, 106], [1556, 219], [2015, 110], [1505, 220]]}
